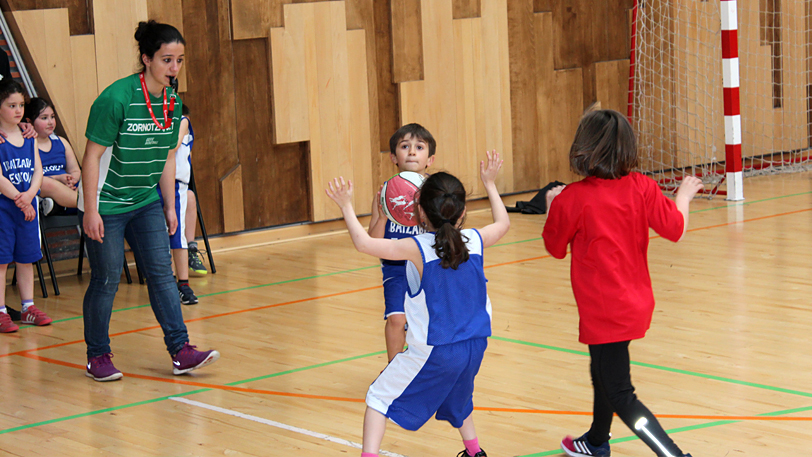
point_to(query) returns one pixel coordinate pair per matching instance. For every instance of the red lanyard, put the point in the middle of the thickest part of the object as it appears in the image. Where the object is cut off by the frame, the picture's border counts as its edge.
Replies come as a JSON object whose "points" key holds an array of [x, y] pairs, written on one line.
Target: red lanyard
{"points": [[167, 118]]}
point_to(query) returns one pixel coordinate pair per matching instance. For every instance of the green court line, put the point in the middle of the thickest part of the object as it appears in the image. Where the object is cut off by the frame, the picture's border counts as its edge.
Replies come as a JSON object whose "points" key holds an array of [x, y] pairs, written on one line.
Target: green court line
{"points": [[659, 367], [680, 429], [750, 203], [197, 391]]}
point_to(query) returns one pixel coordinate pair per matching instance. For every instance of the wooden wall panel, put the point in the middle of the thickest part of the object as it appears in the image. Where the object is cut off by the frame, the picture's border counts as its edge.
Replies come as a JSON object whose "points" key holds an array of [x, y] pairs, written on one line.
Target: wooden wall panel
{"points": [[524, 118], [79, 17], [292, 51], [115, 22], [335, 96], [47, 37], [564, 113], [253, 18], [470, 105], [361, 16], [464, 9], [360, 122], [282, 168], [388, 109], [169, 12], [233, 202], [407, 41], [439, 114], [211, 97], [570, 36], [85, 88], [612, 81]]}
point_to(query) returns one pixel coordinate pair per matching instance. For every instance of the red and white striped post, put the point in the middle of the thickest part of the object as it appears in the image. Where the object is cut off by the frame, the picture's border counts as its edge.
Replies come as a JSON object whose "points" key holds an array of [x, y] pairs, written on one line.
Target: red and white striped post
{"points": [[733, 118]]}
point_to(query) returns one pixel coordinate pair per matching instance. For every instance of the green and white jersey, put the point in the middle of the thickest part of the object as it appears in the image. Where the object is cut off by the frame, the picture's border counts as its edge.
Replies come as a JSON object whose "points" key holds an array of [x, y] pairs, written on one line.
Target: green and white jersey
{"points": [[131, 166]]}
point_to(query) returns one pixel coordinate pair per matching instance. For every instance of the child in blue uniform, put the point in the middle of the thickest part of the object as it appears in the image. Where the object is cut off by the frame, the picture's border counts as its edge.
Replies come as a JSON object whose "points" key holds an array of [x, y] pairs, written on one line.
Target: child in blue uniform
{"points": [[19, 227], [411, 148], [185, 252], [446, 305], [60, 169]]}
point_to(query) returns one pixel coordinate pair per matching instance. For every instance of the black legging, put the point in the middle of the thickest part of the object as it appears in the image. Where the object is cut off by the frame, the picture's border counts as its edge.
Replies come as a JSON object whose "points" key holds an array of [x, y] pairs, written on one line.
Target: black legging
{"points": [[614, 392]]}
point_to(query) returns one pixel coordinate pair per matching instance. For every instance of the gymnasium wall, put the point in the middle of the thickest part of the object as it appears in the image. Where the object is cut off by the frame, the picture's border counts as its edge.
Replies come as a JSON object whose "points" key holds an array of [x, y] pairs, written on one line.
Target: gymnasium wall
{"points": [[286, 94]]}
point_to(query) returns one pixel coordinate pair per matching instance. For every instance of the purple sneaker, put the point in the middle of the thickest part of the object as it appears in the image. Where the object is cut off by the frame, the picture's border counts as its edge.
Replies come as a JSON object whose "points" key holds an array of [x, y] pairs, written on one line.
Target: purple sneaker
{"points": [[189, 358], [101, 368]]}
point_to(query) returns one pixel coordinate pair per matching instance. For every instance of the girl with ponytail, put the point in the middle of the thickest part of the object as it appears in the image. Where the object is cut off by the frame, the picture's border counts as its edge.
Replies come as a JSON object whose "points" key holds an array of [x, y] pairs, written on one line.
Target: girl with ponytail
{"points": [[447, 309]]}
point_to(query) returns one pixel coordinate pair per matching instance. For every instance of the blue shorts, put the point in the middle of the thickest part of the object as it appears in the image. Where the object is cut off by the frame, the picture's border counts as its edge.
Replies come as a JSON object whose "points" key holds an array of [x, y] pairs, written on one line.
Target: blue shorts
{"points": [[395, 286], [429, 380], [19, 240], [178, 240]]}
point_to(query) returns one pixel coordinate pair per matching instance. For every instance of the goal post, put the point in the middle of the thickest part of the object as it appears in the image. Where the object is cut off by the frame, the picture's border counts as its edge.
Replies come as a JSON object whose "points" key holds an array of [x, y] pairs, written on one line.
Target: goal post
{"points": [[719, 89]]}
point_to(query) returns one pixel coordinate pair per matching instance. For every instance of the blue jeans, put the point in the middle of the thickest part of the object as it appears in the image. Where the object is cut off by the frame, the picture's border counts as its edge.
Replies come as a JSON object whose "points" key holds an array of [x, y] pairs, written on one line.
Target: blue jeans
{"points": [[145, 229]]}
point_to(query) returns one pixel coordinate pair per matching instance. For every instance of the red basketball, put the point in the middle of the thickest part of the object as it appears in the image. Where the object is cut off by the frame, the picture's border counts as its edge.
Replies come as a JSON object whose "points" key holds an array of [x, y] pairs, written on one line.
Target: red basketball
{"points": [[397, 198]]}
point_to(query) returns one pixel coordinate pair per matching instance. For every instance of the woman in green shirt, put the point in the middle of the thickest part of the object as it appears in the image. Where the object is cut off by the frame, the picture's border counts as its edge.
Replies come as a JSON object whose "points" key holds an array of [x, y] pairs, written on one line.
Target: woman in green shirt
{"points": [[132, 133]]}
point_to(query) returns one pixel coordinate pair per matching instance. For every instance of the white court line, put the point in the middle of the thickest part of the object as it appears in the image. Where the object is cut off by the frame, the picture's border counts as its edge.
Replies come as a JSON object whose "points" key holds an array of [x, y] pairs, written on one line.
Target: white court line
{"points": [[279, 425]]}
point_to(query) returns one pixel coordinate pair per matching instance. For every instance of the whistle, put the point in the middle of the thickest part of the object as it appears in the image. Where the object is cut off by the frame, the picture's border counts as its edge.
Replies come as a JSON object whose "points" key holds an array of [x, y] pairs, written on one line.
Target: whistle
{"points": [[173, 81]]}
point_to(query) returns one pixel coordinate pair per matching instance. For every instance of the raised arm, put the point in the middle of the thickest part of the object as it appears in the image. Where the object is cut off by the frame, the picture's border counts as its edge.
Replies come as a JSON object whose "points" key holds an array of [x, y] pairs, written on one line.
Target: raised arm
{"points": [[404, 249], [488, 169]]}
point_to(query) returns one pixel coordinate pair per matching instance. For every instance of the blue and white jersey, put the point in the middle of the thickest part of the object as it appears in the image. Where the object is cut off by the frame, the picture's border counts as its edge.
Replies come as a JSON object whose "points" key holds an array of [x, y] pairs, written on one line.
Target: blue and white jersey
{"points": [[447, 306], [53, 161], [18, 166], [396, 232], [183, 156]]}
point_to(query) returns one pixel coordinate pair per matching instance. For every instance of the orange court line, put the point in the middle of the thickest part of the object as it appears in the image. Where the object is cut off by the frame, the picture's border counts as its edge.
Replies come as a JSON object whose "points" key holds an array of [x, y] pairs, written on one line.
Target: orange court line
{"points": [[27, 351], [361, 400]]}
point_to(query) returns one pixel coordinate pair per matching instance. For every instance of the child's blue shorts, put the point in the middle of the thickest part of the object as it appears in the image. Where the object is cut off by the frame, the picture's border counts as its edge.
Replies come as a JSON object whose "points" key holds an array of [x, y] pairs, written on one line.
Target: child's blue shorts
{"points": [[394, 289], [178, 239], [19, 240], [429, 380]]}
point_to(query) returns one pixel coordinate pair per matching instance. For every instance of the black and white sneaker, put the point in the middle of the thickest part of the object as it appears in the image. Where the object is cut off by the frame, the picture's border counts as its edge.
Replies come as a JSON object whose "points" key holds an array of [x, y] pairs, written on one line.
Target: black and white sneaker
{"points": [[187, 295]]}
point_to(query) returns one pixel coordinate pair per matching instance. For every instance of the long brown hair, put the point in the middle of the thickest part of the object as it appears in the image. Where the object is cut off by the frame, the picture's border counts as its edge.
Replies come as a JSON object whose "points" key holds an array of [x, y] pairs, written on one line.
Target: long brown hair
{"points": [[604, 146], [442, 198]]}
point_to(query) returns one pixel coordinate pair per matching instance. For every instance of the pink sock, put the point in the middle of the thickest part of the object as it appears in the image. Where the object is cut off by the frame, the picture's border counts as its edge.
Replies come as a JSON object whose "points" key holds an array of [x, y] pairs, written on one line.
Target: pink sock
{"points": [[368, 454], [472, 446]]}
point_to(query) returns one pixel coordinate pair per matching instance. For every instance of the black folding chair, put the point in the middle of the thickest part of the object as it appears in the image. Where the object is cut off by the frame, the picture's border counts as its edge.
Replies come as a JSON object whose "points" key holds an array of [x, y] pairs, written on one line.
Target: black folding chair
{"points": [[193, 187]]}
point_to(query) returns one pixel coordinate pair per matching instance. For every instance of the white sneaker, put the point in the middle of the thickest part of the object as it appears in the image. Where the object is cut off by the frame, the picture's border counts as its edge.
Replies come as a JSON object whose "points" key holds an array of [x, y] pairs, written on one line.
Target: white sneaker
{"points": [[46, 206]]}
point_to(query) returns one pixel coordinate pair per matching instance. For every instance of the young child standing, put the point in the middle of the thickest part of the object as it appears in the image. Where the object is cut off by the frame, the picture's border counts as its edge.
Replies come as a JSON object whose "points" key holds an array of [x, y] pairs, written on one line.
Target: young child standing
{"points": [[184, 252], [446, 305], [19, 227], [411, 148], [606, 219]]}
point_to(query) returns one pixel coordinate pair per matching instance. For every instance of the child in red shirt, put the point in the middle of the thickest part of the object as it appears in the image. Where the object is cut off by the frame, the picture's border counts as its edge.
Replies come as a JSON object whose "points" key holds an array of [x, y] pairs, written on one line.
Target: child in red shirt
{"points": [[606, 219]]}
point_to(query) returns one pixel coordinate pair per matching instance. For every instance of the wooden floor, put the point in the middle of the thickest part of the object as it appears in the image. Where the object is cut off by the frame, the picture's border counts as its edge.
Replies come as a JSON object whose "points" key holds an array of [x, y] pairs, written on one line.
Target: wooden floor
{"points": [[726, 365]]}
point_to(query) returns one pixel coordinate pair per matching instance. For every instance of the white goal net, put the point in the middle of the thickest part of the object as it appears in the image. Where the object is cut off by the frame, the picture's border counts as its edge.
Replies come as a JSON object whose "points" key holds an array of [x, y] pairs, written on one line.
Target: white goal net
{"points": [[678, 103]]}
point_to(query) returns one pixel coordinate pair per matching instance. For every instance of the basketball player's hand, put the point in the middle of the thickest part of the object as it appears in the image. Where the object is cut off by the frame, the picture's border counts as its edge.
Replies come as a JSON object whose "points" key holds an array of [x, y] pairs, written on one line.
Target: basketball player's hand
{"points": [[340, 192], [171, 220], [28, 130], [552, 193], [377, 209], [23, 199], [93, 226], [488, 169], [689, 187], [29, 213]]}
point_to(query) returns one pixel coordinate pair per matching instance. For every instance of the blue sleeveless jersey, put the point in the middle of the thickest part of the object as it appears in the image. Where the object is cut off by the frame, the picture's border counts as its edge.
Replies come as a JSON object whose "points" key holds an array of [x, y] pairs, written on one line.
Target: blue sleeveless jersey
{"points": [[18, 166], [396, 232], [447, 306], [53, 161]]}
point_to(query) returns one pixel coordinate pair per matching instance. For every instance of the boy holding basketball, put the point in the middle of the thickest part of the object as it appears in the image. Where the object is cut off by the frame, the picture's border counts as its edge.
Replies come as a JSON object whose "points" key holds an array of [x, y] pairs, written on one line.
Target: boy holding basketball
{"points": [[411, 148]]}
